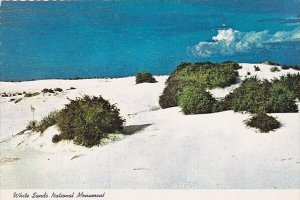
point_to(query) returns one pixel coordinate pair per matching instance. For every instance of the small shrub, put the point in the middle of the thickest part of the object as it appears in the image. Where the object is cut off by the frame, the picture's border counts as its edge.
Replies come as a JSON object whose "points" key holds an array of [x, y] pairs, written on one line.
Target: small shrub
{"points": [[274, 69], [256, 68], [56, 138], [4, 94], [46, 90], [144, 77], [196, 100], [88, 120], [263, 122], [47, 121], [248, 73], [71, 88], [58, 89], [32, 125], [31, 94]]}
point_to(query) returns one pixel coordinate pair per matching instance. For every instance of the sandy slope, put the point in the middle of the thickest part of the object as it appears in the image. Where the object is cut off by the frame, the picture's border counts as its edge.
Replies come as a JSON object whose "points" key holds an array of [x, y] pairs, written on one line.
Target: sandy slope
{"points": [[167, 149]]}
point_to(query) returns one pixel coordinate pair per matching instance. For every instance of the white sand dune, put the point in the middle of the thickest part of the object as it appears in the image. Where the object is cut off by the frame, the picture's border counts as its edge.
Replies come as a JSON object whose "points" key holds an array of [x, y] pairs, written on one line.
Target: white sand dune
{"points": [[167, 150]]}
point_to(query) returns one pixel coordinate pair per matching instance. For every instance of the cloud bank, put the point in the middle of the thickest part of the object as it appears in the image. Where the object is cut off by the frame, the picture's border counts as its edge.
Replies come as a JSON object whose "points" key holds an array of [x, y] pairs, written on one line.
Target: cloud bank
{"points": [[230, 41]]}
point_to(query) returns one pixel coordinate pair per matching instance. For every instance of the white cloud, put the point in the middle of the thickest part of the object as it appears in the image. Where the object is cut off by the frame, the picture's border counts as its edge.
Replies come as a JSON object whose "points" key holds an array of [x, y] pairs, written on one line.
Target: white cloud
{"points": [[229, 41]]}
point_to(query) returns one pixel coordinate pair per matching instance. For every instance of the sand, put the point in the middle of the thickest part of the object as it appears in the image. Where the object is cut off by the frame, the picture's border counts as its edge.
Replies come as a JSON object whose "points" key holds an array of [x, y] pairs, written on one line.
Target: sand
{"points": [[167, 149]]}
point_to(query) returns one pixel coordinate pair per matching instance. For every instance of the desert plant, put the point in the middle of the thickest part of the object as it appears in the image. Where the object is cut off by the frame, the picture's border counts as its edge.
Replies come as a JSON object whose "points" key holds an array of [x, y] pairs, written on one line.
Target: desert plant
{"points": [[47, 121], [251, 95], [281, 99], [88, 120], [248, 73], [263, 122], [274, 69], [292, 81], [223, 104], [58, 89], [56, 138], [196, 100], [46, 90], [31, 94], [206, 74], [32, 125], [144, 77], [256, 68]]}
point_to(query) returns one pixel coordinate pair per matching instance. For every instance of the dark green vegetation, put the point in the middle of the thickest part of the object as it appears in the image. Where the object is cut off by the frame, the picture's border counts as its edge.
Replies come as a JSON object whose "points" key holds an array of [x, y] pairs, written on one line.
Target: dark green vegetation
{"points": [[32, 125], [46, 90], [274, 69], [254, 95], [47, 121], [195, 100], [144, 77], [256, 68], [263, 122], [87, 120], [56, 138], [204, 75], [188, 87], [292, 82], [31, 94]]}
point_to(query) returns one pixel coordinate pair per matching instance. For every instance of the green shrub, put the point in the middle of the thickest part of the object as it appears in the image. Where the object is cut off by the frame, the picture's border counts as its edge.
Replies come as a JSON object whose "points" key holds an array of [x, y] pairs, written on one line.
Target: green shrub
{"points": [[206, 74], [195, 100], [282, 100], [292, 81], [31, 94], [251, 95], [144, 77], [56, 138], [46, 90], [256, 68], [47, 121], [223, 104], [32, 125], [274, 69], [58, 89], [87, 120], [263, 122], [171, 93], [209, 74]]}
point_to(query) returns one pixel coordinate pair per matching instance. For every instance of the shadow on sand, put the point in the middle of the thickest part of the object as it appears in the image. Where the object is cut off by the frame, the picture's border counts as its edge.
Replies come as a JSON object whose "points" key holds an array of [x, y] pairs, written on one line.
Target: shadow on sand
{"points": [[132, 129]]}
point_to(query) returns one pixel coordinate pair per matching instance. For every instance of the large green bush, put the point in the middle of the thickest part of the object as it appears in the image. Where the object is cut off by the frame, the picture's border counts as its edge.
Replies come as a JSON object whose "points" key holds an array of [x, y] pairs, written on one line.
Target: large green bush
{"points": [[87, 120], [251, 95], [196, 100], [254, 95], [281, 99], [292, 81], [206, 74], [144, 77], [263, 122]]}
